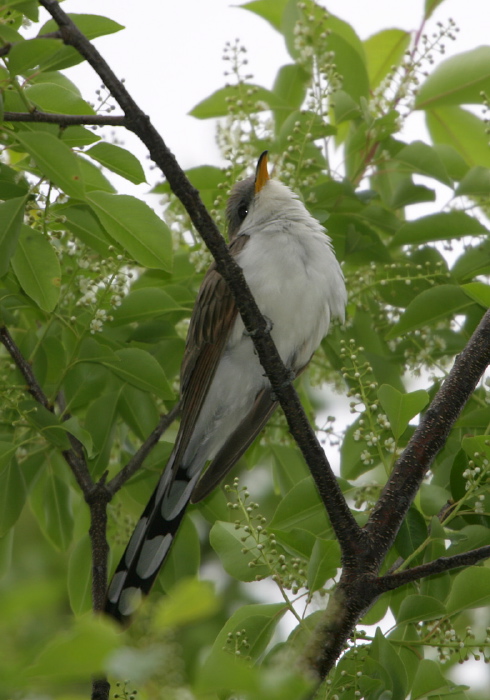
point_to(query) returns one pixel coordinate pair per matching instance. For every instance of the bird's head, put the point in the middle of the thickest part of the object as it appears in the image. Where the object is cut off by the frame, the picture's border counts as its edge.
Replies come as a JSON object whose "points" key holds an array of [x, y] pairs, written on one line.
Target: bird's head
{"points": [[258, 200]]}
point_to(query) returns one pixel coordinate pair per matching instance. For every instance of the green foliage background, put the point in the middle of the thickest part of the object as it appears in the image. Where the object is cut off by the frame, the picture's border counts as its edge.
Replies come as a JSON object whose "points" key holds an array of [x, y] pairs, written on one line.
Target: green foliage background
{"points": [[96, 290]]}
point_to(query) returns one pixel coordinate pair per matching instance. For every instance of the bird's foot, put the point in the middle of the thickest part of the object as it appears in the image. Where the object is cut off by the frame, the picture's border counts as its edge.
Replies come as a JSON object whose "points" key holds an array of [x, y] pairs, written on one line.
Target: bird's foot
{"points": [[285, 383], [268, 327]]}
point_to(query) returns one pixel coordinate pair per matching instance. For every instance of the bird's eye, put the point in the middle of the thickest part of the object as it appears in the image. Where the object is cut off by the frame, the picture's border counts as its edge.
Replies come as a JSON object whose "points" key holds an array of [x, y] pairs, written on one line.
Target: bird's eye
{"points": [[242, 211]]}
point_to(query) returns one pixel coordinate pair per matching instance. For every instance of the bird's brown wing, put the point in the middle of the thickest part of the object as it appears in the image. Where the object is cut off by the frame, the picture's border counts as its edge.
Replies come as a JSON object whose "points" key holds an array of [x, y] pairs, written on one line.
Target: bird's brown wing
{"points": [[238, 442], [210, 326]]}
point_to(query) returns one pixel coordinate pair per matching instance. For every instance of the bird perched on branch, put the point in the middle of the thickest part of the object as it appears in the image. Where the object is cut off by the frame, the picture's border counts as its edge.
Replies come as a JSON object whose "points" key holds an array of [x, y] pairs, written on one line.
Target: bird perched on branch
{"points": [[291, 269]]}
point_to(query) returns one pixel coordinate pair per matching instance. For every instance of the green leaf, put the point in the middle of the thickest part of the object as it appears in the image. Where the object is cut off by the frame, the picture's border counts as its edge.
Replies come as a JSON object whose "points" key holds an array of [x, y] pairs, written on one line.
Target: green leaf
{"points": [[145, 304], [140, 369], [80, 577], [463, 131], [11, 218], [136, 227], [412, 533], [350, 64], [474, 261], [439, 227], [430, 6], [52, 97], [423, 159], [206, 178], [476, 443], [73, 427], [13, 491], [100, 423], [229, 543], [479, 292], [119, 160], [406, 193], [78, 654], [257, 622], [46, 422], [93, 177], [429, 306], [384, 50], [470, 589], [401, 408], [290, 88], [50, 499], [428, 680], [418, 608], [37, 268], [81, 221], [29, 54], [185, 554], [84, 382], [270, 10], [476, 183], [11, 185], [78, 136], [432, 499], [189, 602], [323, 563], [138, 410], [460, 79], [7, 450], [55, 161], [302, 508], [91, 26], [454, 163], [345, 107], [383, 651], [252, 98]]}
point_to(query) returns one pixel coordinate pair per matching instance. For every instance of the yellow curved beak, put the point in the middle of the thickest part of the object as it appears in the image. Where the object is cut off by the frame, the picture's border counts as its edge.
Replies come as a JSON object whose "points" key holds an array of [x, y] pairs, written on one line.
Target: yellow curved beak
{"points": [[261, 174]]}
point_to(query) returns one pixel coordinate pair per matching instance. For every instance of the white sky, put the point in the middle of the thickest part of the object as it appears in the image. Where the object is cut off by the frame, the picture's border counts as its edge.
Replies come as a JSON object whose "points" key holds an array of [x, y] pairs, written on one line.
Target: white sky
{"points": [[170, 52]]}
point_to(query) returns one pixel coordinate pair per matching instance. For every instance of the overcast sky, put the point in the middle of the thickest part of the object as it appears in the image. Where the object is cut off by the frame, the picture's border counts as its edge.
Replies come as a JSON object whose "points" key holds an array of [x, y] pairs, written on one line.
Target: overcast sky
{"points": [[171, 52]]}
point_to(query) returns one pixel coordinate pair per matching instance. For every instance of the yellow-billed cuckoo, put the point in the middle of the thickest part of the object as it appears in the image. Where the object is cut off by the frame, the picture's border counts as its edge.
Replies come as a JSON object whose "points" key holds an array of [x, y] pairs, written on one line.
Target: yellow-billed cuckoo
{"points": [[292, 272]]}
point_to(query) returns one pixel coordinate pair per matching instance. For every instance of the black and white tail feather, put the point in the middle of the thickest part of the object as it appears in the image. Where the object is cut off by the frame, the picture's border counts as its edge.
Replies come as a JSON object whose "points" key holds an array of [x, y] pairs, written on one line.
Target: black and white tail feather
{"points": [[289, 264]]}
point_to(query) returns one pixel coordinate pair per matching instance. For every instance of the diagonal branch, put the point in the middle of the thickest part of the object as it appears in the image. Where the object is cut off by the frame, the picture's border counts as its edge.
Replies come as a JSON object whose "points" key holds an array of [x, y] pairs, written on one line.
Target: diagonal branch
{"points": [[346, 528], [429, 437], [438, 566]]}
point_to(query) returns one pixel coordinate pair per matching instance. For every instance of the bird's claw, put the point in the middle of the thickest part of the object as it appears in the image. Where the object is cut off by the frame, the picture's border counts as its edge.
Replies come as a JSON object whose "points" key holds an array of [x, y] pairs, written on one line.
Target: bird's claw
{"points": [[287, 382], [268, 327]]}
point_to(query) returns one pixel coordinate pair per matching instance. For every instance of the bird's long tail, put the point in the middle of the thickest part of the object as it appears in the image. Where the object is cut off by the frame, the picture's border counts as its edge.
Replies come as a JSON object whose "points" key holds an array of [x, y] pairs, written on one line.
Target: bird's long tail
{"points": [[151, 540]]}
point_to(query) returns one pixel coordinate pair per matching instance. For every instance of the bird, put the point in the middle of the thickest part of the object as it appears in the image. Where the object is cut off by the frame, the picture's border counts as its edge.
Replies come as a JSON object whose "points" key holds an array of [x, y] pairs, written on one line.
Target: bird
{"points": [[290, 266]]}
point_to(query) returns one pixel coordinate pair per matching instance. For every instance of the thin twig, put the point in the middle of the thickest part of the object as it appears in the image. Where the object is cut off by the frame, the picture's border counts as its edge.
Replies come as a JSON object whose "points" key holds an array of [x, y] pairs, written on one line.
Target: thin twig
{"points": [[438, 566], [65, 119]]}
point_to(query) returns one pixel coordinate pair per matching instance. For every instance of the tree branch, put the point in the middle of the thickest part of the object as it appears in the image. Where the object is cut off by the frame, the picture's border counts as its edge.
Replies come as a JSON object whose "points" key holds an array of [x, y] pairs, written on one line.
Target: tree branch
{"points": [[438, 566], [65, 119], [429, 437], [140, 455], [348, 532], [25, 368], [73, 457]]}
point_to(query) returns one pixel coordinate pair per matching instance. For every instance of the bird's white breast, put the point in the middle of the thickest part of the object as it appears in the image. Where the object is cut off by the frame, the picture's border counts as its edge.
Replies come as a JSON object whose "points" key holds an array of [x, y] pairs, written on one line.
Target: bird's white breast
{"points": [[296, 282]]}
